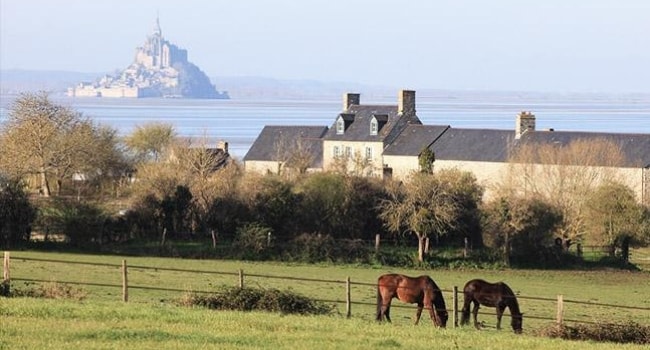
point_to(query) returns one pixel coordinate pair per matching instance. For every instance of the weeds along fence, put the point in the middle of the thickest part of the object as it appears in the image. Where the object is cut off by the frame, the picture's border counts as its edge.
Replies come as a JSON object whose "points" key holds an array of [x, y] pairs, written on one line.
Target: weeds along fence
{"points": [[146, 284]]}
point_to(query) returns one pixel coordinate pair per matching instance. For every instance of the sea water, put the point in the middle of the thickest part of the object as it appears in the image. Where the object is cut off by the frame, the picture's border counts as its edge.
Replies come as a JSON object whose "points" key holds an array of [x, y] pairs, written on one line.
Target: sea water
{"points": [[239, 121]]}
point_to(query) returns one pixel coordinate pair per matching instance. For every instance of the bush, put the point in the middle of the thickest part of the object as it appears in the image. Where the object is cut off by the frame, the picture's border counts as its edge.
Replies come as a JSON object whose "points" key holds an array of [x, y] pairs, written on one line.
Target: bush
{"points": [[249, 299], [253, 241], [631, 332], [16, 214], [51, 290], [312, 247]]}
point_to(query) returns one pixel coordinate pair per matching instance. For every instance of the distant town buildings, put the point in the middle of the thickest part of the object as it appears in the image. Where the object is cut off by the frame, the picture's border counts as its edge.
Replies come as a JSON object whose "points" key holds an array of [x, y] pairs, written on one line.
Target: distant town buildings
{"points": [[160, 69]]}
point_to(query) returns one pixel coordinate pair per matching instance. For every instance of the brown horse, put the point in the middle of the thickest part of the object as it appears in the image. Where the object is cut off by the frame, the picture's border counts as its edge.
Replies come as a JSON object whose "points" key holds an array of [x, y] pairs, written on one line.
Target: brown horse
{"points": [[421, 290], [497, 295]]}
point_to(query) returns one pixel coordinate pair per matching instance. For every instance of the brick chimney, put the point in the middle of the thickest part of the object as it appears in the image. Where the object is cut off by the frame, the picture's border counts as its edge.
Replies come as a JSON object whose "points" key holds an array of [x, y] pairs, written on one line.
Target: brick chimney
{"points": [[350, 99], [525, 122], [406, 102], [222, 145]]}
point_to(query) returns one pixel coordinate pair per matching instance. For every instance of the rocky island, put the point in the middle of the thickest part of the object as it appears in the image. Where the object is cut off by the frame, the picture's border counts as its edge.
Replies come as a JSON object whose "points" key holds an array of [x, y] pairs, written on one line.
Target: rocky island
{"points": [[160, 69]]}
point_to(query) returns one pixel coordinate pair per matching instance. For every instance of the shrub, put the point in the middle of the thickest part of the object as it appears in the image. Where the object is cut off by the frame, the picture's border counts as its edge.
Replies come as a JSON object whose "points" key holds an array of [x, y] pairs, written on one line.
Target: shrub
{"points": [[312, 247], [252, 240], [249, 299], [631, 332], [52, 290]]}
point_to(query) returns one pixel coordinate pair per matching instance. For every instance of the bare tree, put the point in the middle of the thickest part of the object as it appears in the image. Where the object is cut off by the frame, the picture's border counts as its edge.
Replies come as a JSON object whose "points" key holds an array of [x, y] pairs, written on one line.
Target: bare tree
{"points": [[563, 176], [423, 206], [51, 141], [294, 154]]}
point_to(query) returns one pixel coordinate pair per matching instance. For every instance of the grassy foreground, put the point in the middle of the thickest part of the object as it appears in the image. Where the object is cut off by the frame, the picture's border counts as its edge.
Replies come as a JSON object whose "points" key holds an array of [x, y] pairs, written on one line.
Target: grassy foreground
{"points": [[63, 324], [614, 287]]}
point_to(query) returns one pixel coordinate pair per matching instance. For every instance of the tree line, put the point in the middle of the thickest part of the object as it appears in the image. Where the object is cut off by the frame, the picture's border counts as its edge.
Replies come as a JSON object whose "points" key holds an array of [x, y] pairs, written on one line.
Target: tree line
{"points": [[61, 173]]}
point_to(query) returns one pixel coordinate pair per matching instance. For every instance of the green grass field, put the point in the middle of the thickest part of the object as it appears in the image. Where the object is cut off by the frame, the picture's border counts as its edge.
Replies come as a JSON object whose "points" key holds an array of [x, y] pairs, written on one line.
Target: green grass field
{"points": [[152, 319]]}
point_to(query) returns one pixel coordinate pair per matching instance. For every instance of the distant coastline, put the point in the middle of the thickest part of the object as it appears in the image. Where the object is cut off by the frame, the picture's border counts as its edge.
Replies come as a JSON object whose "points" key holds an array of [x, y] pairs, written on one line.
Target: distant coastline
{"points": [[16, 81]]}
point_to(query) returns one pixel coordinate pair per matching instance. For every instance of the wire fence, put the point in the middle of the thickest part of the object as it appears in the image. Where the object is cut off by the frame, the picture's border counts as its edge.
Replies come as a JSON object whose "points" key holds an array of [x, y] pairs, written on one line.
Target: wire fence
{"points": [[352, 293]]}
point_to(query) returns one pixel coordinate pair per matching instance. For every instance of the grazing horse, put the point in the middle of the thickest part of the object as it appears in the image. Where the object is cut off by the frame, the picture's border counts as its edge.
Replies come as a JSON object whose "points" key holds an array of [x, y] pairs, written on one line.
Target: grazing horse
{"points": [[497, 295], [421, 290]]}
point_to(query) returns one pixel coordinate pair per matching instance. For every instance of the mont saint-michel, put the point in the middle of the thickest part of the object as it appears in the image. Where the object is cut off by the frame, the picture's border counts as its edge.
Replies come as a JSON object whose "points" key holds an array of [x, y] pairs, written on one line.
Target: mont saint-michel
{"points": [[160, 69]]}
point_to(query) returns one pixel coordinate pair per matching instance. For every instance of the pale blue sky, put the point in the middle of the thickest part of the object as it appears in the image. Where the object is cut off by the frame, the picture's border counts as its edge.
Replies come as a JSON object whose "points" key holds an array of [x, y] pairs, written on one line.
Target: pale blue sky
{"points": [[549, 45]]}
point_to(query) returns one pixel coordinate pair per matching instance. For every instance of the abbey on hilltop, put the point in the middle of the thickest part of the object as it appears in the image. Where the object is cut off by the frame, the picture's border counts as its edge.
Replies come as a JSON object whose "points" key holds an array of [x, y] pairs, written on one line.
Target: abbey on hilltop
{"points": [[160, 69]]}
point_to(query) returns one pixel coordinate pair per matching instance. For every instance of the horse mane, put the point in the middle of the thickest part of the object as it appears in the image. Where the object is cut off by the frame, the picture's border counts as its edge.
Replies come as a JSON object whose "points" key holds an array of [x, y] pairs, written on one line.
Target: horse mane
{"points": [[514, 304], [438, 299]]}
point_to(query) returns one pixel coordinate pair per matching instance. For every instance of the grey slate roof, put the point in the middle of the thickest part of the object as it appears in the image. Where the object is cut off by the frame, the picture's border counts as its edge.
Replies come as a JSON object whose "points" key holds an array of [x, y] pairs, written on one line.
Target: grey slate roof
{"points": [[635, 147], [479, 145], [413, 140], [264, 147], [359, 129]]}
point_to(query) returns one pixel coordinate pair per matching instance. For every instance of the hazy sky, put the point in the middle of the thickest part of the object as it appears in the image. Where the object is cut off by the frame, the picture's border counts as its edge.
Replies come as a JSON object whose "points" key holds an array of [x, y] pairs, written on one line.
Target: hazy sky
{"points": [[541, 45]]}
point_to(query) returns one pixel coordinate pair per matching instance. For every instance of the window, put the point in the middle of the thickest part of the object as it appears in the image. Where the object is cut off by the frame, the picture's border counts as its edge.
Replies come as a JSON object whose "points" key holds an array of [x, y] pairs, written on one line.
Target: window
{"points": [[368, 152], [373, 126], [337, 151], [340, 126], [348, 152]]}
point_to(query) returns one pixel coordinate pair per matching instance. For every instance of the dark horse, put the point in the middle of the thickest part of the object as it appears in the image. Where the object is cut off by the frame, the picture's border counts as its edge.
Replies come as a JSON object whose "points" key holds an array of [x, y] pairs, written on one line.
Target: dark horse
{"points": [[421, 290], [497, 295]]}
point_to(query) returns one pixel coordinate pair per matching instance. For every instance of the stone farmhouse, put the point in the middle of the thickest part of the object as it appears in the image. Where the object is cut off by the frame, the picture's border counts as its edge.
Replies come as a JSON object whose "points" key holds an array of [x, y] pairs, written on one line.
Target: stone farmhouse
{"points": [[387, 140]]}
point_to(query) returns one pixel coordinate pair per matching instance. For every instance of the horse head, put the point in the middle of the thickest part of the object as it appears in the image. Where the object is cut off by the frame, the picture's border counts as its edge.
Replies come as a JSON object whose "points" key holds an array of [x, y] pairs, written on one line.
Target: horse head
{"points": [[442, 317], [517, 323]]}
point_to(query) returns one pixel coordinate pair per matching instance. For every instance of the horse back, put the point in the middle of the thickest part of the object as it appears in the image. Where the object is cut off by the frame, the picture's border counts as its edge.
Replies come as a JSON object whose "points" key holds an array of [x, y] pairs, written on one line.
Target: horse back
{"points": [[485, 293]]}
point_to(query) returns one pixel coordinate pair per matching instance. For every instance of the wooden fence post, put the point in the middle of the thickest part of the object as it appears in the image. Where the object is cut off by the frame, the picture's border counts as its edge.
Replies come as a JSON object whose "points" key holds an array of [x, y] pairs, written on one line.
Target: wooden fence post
{"points": [[125, 283], [348, 300], [164, 237], [560, 310], [6, 276], [377, 242], [454, 312], [241, 278], [466, 248]]}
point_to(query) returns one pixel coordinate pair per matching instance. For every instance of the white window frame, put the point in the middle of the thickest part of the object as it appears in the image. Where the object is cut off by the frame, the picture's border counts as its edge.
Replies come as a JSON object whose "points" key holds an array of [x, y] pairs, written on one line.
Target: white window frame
{"points": [[374, 126], [336, 151], [340, 126], [368, 153], [348, 152]]}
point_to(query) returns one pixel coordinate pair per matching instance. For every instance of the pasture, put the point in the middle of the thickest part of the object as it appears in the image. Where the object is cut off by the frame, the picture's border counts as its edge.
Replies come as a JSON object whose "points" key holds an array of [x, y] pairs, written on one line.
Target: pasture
{"points": [[60, 324], [151, 318]]}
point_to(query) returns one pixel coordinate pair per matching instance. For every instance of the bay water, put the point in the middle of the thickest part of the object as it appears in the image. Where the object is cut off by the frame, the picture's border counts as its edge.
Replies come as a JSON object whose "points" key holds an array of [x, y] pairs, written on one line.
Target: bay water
{"points": [[239, 121]]}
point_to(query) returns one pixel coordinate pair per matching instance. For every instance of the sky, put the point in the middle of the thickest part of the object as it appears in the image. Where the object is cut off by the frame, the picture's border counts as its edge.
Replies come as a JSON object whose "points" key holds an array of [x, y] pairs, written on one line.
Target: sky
{"points": [[497, 45]]}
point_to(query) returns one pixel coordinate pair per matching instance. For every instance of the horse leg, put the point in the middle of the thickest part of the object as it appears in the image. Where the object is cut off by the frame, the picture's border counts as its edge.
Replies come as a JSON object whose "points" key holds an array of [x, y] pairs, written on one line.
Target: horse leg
{"points": [[500, 309], [464, 319], [475, 313], [434, 317], [387, 312], [418, 313]]}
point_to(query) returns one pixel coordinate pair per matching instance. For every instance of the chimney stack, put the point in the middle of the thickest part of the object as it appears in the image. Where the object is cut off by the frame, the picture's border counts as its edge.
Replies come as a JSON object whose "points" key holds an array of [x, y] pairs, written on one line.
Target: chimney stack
{"points": [[222, 145], [350, 99], [525, 122], [406, 102]]}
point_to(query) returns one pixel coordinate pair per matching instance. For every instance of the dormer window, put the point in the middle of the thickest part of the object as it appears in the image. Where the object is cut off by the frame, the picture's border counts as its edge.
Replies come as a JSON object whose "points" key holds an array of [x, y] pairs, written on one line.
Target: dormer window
{"points": [[340, 126], [343, 122], [373, 126], [377, 122]]}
